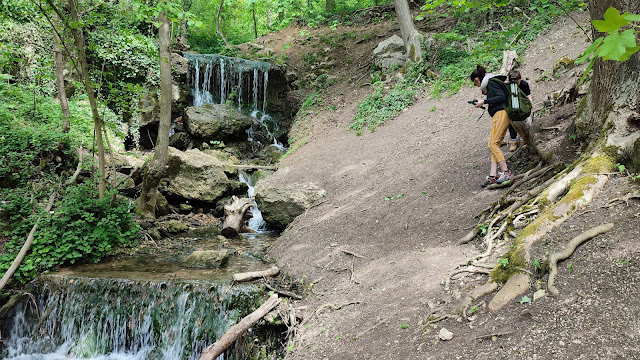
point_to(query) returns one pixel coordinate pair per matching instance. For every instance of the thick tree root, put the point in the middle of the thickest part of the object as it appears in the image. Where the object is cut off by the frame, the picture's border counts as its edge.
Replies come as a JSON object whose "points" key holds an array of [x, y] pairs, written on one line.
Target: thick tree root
{"points": [[568, 250]]}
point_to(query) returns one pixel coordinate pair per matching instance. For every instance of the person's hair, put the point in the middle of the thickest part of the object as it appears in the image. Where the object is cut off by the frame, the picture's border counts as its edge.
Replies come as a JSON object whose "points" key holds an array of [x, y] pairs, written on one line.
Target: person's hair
{"points": [[479, 73], [514, 75]]}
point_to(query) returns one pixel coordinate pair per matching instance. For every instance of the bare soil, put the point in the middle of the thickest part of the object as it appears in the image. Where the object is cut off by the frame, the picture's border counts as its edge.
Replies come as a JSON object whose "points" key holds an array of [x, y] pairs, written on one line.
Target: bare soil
{"points": [[399, 198]]}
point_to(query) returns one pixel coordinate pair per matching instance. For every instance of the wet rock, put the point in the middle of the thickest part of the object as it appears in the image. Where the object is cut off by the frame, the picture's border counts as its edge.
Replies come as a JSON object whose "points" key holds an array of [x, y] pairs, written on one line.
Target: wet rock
{"points": [[216, 122], [281, 203], [445, 334], [206, 259]]}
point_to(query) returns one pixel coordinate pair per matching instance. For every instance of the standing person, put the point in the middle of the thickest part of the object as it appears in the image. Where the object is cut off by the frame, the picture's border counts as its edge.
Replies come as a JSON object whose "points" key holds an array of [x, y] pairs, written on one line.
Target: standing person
{"points": [[514, 75], [496, 98]]}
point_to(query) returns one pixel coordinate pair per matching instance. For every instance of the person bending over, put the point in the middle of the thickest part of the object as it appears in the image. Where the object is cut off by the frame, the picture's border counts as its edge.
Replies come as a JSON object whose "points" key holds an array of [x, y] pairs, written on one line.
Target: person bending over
{"points": [[496, 98]]}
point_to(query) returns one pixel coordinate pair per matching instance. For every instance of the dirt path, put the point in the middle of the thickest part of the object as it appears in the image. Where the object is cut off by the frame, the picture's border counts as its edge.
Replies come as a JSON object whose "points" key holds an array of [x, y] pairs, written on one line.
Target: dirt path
{"points": [[400, 198]]}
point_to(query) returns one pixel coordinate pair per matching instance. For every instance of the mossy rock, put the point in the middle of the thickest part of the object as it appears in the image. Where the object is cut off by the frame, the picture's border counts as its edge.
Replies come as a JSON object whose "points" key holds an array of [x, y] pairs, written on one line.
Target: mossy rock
{"points": [[207, 259]]}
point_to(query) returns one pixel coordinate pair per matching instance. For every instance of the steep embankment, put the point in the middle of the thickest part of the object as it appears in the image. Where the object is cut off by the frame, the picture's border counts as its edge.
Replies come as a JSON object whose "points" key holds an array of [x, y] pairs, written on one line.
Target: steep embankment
{"points": [[375, 252]]}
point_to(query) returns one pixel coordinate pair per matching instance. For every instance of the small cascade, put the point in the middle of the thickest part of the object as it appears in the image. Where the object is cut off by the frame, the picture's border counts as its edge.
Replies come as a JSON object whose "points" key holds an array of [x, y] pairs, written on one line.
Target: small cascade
{"points": [[91, 318], [242, 81], [256, 222]]}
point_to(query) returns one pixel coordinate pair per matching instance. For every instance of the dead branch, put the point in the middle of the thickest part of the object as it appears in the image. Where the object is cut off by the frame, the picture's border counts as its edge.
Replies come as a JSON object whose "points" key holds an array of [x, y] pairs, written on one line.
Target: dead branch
{"points": [[283, 292], [489, 336], [248, 276], [213, 351], [624, 199], [335, 307], [360, 334], [352, 254], [568, 250]]}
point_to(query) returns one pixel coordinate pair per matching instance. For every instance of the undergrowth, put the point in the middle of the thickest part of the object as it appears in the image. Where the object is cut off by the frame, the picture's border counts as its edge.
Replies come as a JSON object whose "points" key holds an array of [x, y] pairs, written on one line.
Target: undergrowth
{"points": [[454, 54]]}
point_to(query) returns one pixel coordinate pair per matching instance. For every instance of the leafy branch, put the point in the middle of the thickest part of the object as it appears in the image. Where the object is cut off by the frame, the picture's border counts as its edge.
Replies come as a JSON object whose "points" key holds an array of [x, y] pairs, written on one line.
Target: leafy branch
{"points": [[618, 45]]}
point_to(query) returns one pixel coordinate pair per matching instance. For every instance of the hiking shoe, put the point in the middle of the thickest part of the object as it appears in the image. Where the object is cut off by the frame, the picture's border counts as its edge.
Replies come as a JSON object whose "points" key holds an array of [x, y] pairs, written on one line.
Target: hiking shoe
{"points": [[488, 181], [503, 177], [513, 145]]}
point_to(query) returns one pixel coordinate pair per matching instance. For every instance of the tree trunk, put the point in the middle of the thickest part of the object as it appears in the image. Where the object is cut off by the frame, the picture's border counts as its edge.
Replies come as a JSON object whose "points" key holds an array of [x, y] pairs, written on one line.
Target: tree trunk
{"points": [[224, 39], [62, 93], [410, 35], [255, 23], [155, 171], [213, 351], [329, 5], [236, 215], [614, 95], [76, 30]]}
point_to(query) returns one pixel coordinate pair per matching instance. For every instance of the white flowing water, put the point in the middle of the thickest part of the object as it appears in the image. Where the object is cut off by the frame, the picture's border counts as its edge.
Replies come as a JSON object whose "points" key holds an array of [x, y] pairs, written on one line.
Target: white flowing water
{"points": [[116, 319], [256, 223]]}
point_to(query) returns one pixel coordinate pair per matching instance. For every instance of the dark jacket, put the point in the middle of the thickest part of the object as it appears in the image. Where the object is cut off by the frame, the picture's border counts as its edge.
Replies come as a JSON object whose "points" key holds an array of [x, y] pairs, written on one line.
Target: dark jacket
{"points": [[496, 94]]}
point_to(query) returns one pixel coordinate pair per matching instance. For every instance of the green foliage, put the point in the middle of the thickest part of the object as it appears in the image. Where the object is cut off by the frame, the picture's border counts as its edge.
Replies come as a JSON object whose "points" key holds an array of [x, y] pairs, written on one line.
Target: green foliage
{"points": [[82, 227], [525, 300], [504, 262], [31, 140], [617, 45], [394, 197]]}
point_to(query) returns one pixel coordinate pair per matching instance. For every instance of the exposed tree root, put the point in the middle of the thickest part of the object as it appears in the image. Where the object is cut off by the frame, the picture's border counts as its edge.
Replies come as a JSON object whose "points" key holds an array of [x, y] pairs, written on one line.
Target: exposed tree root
{"points": [[568, 250], [624, 199]]}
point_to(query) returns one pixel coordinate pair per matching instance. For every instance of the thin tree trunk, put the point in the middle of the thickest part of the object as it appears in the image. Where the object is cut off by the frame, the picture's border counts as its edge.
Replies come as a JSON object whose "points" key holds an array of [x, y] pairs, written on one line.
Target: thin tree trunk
{"points": [[410, 35], [155, 171], [224, 39], [329, 5], [255, 23], [62, 93], [76, 30]]}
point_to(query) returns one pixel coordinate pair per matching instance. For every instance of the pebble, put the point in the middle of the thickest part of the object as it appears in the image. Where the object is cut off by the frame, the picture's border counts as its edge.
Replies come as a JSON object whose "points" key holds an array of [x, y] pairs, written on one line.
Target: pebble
{"points": [[445, 334], [539, 294]]}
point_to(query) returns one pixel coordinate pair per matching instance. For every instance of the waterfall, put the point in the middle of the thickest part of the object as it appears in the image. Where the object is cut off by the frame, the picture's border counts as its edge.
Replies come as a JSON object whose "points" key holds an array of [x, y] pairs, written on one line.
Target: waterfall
{"points": [[222, 94], [88, 318], [256, 222], [255, 89]]}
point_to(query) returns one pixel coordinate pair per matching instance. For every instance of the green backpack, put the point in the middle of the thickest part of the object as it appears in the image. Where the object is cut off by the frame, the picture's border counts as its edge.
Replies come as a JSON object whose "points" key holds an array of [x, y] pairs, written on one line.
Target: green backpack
{"points": [[518, 105]]}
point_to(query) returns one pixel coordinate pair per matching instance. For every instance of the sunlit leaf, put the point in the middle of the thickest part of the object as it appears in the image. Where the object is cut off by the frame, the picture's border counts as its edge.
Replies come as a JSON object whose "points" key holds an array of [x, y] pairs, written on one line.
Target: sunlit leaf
{"points": [[587, 53], [632, 17], [612, 22]]}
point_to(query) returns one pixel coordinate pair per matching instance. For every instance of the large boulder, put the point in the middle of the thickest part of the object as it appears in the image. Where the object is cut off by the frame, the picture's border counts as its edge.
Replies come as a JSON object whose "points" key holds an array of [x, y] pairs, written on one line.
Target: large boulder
{"points": [[216, 122], [390, 53], [281, 203], [195, 175]]}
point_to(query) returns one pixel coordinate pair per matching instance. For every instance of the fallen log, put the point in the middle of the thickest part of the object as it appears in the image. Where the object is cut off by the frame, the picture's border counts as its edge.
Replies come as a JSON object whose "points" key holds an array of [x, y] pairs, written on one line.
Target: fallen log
{"points": [[236, 215], [248, 276], [213, 351]]}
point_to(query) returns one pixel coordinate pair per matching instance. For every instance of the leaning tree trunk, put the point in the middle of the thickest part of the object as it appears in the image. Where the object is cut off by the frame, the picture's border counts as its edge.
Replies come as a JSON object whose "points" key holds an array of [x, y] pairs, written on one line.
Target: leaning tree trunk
{"points": [[224, 39], [236, 214], [614, 96], [62, 93], [410, 35], [97, 122], [155, 171]]}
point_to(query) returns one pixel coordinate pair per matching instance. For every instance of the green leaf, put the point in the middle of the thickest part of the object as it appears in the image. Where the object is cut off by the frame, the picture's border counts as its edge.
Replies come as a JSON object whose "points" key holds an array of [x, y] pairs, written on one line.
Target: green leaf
{"points": [[632, 17], [587, 53], [525, 300], [612, 22], [614, 47], [586, 71]]}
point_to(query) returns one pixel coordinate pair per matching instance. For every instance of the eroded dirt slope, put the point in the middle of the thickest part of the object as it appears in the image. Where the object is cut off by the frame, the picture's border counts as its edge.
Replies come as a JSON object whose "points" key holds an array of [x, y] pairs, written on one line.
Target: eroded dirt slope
{"points": [[401, 197]]}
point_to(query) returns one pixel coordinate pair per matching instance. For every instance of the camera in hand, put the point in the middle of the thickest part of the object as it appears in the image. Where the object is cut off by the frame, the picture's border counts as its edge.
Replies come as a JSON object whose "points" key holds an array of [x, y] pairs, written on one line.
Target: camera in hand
{"points": [[473, 102]]}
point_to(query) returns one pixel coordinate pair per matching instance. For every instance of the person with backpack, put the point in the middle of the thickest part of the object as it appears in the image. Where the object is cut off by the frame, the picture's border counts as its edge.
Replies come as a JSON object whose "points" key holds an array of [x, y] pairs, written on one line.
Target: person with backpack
{"points": [[496, 93], [514, 75]]}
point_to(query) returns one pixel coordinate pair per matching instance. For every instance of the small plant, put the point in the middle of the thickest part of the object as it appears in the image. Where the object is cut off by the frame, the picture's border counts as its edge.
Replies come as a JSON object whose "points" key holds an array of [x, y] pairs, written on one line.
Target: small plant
{"points": [[286, 46], [621, 168], [573, 137], [333, 108], [394, 197], [483, 229], [404, 326], [525, 300], [290, 347], [623, 262], [536, 265], [504, 262], [473, 310], [570, 266], [433, 109]]}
